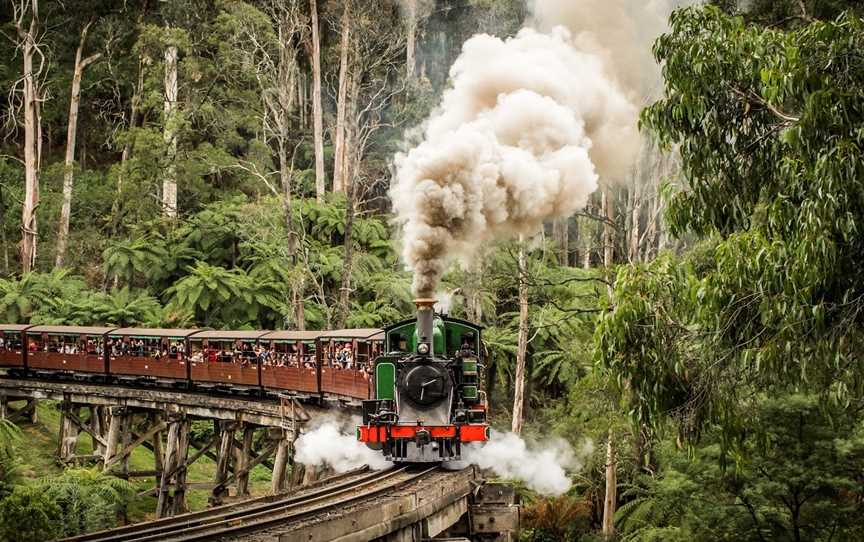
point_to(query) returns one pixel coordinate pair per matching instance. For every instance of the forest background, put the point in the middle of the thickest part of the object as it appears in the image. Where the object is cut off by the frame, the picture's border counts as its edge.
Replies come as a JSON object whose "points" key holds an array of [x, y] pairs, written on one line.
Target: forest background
{"points": [[227, 164]]}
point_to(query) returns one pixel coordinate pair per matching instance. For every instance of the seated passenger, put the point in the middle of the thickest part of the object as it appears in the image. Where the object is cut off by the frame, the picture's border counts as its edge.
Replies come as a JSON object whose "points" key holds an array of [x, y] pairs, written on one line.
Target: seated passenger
{"points": [[197, 357], [347, 356]]}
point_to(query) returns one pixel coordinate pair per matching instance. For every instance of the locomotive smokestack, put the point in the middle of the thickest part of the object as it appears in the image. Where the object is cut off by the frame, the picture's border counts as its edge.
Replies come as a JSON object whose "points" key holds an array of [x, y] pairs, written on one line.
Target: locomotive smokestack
{"points": [[425, 315]]}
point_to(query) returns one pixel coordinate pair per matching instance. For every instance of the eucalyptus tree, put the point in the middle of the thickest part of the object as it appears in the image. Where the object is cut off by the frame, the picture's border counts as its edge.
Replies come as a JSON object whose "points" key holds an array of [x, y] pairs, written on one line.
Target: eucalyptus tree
{"points": [[768, 126]]}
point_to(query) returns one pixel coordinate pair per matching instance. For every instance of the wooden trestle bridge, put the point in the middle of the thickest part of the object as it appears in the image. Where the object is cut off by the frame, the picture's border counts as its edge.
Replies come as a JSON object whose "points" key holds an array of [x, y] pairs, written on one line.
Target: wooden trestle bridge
{"points": [[399, 504]]}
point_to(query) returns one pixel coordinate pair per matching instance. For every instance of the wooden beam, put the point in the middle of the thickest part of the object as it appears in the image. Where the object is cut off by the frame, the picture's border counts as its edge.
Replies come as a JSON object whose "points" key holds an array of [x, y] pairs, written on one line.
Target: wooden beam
{"points": [[190, 485], [162, 505], [245, 453], [280, 464], [86, 428], [135, 443], [251, 465], [226, 442], [180, 475], [113, 434]]}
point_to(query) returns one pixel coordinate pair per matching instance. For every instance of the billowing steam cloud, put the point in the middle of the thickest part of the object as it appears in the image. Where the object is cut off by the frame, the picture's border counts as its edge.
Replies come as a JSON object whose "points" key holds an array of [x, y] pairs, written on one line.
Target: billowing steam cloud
{"points": [[521, 137], [331, 445], [620, 32], [543, 468]]}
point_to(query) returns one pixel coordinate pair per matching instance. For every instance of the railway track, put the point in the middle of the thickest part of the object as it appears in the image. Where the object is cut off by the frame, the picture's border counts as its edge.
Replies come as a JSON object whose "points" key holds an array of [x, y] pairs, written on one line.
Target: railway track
{"points": [[261, 513]]}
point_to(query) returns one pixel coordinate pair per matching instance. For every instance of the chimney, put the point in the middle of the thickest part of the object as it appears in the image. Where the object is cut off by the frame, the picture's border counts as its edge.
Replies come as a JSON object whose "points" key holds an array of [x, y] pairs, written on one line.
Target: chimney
{"points": [[425, 315]]}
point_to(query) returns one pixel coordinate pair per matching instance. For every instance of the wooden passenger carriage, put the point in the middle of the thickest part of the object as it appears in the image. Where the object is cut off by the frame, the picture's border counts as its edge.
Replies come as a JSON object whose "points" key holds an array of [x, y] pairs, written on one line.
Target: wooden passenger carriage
{"points": [[266, 362], [67, 348], [12, 351], [352, 381], [149, 352], [296, 361]]}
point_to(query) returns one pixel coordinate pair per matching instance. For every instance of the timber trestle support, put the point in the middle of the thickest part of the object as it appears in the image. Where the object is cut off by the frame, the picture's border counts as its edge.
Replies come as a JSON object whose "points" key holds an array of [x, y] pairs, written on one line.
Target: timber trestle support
{"points": [[236, 435]]}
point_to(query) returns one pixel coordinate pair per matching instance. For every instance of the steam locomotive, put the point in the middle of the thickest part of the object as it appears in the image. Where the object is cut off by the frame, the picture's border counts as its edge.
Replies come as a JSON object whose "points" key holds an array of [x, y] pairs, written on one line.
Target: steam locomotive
{"points": [[428, 399]]}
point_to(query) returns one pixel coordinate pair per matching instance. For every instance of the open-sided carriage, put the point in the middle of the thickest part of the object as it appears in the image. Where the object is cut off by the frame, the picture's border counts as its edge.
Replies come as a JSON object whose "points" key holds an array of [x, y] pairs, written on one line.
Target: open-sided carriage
{"points": [[328, 364]]}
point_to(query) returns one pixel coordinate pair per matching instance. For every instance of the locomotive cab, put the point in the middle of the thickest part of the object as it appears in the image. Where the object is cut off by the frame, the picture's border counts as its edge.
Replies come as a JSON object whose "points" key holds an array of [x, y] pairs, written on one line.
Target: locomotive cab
{"points": [[427, 400]]}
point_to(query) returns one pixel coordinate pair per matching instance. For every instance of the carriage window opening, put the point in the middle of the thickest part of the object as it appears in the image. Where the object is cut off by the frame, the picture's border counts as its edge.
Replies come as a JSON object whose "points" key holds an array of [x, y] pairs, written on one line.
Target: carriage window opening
{"points": [[286, 354], [148, 347], [66, 344], [11, 343], [227, 351]]}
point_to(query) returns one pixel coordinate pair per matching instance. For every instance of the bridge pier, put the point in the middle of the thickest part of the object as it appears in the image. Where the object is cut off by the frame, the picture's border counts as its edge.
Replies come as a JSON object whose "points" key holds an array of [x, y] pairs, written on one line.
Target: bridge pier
{"points": [[174, 467], [281, 462], [69, 430]]}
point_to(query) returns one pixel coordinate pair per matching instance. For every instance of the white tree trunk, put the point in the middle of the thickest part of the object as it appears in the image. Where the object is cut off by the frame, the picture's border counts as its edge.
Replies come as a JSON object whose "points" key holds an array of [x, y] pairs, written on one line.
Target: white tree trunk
{"points": [[411, 40], [169, 183], [611, 499], [317, 114], [32, 140], [608, 228], [522, 344], [339, 153], [71, 132]]}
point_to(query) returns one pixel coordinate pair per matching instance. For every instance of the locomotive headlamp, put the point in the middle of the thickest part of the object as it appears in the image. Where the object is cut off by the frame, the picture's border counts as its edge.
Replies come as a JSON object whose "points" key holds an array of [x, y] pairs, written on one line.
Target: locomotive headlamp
{"points": [[423, 349]]}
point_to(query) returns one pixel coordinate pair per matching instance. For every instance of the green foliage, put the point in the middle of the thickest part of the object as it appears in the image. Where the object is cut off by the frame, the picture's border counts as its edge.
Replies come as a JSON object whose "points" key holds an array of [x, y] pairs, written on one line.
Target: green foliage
{"points": [[28, 514], [223, 296], [10, 436], [795, 480], [75, 502], [556, 520], [770, 142], [35, 295]]}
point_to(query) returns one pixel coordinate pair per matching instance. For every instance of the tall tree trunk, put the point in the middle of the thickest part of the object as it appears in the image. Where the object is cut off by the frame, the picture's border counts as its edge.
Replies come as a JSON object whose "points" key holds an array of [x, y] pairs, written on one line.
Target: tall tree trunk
{"points": [[3, 239], [610, 501], [71, 132], [352, 162], [611, 498], [345, 287], [522, 343], [169, 184], [608, 228], [561, 233], [285, 177], [317, 114], [411, 38], [301, 99], [135, 107], [32, 139], [339, 153], [299, 307], [133, 119]]}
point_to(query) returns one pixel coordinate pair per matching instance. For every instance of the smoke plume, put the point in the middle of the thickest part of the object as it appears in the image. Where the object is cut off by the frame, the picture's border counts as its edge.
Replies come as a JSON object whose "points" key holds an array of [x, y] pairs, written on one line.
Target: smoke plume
{"points": [[542, 468], [521, 137], [333, 445], [620, 32]]}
